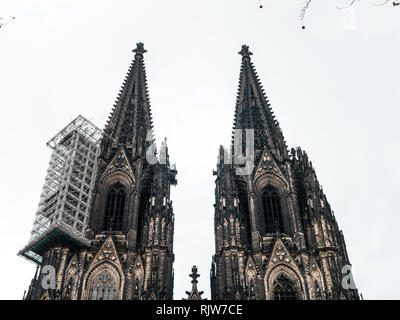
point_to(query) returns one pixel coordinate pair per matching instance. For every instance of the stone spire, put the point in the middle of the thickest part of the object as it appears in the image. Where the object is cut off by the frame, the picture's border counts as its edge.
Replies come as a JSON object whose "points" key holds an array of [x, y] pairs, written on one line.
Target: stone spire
{"points": [[253, 110], [130, 121], [276, 237], [126, 251], [195, 294]]}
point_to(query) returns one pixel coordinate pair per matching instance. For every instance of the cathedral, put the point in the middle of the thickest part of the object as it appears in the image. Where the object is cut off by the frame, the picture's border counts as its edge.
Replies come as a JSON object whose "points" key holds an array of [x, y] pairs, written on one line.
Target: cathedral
{"points": [[126, 251], [276, 237], [105, 224]]}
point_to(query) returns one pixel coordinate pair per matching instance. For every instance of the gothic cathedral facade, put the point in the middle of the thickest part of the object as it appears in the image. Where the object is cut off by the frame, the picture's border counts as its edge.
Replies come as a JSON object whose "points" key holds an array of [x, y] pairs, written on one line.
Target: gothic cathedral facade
{"points": [[131, 223], [276, 236]]}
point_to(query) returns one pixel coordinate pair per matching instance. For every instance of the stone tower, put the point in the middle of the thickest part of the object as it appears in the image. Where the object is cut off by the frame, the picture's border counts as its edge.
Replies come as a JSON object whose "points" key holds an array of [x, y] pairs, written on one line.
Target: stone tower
{"points": [[275, 234], [126, 251]]}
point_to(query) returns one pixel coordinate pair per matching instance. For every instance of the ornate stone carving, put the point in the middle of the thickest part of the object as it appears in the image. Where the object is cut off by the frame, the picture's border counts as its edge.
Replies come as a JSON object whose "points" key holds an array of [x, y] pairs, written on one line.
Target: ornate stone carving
{"points": [[107, 251]]}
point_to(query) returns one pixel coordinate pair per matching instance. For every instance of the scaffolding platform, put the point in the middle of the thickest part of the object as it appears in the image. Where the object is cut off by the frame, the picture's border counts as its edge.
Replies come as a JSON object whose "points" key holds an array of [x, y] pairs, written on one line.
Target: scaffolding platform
{"points": [[65, 201]]}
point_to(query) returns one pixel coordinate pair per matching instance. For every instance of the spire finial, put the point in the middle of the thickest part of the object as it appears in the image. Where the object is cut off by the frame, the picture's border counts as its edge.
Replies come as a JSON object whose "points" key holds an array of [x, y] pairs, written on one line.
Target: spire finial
{"points": [[245, 52], [195, 294], [139, 49], [194, 275]]}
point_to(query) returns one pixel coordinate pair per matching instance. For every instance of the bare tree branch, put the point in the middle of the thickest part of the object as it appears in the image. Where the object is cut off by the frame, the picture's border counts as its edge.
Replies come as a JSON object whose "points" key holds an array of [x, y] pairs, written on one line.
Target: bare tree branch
{"points": [[383, 3], [4, 22], [304, 10], [350, 3]]}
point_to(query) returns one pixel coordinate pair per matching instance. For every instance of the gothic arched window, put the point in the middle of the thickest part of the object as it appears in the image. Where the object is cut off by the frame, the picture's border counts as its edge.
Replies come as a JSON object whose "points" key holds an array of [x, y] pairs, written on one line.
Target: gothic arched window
{"points": [[272, 211], [103, 287], [284, 289], [114, 209]]}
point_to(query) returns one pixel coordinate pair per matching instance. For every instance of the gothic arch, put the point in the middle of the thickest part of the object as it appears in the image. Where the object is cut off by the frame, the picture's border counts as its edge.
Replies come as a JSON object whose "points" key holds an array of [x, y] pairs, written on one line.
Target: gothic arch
{"points": [[284, 288], [273, 216], [127, 178], [71, 280], [317, 283], [270, 180], [104, 190], [135, 279], [115, 210], [98, 273], [288, 272], [138, 280], [119, 166], [250, 271], [117, 177], [269, 177]]}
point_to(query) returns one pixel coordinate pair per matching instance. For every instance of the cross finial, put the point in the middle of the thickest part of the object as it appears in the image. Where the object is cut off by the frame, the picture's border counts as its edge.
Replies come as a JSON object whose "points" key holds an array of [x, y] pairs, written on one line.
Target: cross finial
{"points": [[194, 275], [195, 294], [245, 52], [139, 49]]}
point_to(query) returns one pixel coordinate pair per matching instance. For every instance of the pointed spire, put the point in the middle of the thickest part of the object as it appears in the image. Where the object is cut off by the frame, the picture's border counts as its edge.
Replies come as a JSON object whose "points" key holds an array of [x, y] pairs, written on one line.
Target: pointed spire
{"points": [[253, 110], [130, 120]]}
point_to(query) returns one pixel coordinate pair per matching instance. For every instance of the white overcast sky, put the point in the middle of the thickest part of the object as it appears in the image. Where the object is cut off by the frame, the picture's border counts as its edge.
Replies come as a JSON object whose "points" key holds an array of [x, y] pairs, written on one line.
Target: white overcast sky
{"points": [[334, 90]]}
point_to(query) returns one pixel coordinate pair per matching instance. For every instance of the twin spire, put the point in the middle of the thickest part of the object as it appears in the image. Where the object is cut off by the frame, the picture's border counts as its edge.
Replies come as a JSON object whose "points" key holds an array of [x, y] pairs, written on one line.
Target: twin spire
{"points": [[130, 121], [253, 110]]}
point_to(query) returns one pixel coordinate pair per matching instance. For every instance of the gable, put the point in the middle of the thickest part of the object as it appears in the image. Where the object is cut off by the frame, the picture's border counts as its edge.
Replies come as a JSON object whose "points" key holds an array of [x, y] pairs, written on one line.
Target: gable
{"points": [[119, 163], [280, 253], [268, 164], [251, 269], [107, 252]]}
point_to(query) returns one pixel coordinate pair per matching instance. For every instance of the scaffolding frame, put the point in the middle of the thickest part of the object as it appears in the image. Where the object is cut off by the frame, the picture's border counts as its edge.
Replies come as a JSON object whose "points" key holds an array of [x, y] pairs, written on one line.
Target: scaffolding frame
{"points": [[65, 201]]}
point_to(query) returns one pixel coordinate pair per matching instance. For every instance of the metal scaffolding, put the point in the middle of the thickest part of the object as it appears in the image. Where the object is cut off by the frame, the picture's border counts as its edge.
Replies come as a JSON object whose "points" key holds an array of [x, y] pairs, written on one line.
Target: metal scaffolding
{"points": [[65, 201]]}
